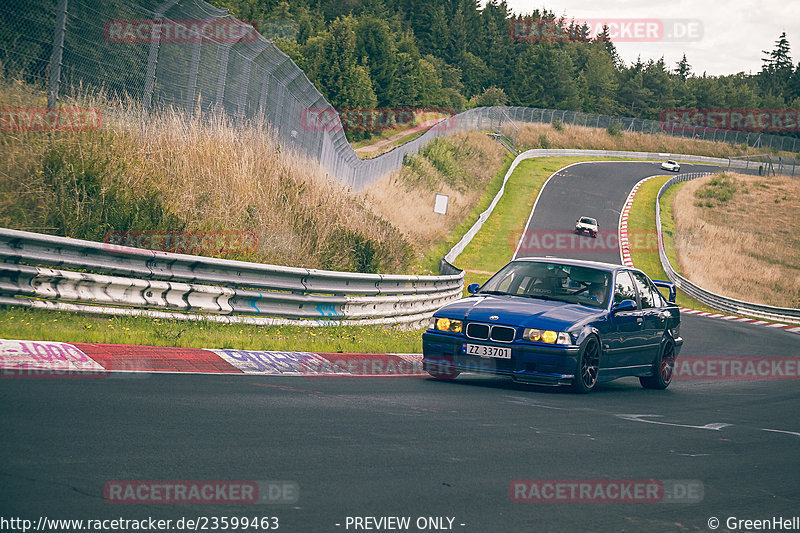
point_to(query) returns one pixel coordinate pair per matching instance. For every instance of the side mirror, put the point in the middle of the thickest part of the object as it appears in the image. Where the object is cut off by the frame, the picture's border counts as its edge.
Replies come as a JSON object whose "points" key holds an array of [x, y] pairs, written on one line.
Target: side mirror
{"points": [[624, 305], [473, 288]]}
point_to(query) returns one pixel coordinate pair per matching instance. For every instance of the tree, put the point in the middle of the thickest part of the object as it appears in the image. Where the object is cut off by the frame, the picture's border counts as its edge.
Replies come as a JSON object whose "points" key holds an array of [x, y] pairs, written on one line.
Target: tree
{"points": [[599, 81], [334, 69], [493, 96], [375, 46], [545, 77], [605, 38], [684, 69], [776, 68]]}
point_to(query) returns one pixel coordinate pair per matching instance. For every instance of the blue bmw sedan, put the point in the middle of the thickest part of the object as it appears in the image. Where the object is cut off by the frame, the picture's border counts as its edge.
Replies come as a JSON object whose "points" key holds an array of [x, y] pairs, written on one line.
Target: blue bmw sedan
{"points": [[549, 321]]}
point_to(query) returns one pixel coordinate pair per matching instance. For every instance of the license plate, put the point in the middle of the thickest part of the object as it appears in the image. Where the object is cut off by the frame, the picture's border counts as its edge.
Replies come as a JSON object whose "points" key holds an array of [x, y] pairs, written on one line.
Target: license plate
{"points": [[487, 351]]}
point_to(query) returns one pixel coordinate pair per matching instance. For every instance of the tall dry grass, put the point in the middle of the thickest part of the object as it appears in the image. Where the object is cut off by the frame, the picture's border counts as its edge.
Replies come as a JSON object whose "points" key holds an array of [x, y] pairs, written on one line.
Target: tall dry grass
{"points": [[746, 247], [459, 166], [586, 138], [174, 174]]}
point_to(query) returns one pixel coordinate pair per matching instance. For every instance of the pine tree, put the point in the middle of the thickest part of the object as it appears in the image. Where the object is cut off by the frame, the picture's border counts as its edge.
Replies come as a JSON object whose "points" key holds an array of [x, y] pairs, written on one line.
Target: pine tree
{"points": [[776, 68], [605, 38], [684, 69]]}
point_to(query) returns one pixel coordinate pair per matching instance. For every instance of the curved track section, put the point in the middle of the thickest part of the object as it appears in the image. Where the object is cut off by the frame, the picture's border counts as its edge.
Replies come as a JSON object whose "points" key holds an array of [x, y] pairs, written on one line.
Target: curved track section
{"points": [[414, 447]]}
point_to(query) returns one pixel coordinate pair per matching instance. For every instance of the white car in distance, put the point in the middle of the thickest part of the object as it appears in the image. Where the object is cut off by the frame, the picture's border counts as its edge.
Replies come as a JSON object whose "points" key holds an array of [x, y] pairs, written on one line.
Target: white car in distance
{"points": [[586, 225], [671, 165]]}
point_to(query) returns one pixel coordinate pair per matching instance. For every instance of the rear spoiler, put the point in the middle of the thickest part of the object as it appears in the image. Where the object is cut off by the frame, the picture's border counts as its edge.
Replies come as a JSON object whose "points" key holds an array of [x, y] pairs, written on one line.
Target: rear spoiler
{"points": [[667, 285]]}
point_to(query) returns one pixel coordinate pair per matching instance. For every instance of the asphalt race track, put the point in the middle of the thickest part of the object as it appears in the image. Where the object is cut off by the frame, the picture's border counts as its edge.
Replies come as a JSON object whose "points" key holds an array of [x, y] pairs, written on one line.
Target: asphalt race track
{"points": [[414, 447]]}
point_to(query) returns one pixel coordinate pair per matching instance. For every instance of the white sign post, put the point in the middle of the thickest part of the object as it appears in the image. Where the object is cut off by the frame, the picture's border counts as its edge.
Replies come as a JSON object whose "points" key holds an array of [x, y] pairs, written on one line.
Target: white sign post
{"points": [[440, 205]]}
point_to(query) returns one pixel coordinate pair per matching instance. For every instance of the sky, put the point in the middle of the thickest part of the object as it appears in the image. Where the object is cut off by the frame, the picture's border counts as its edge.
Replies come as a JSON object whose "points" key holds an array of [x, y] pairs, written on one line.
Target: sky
{"points": [[727, 36]]}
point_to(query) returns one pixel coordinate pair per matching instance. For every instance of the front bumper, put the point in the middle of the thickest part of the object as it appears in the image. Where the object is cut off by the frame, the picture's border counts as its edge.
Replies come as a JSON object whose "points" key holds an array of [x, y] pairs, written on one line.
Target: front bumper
{"points": [[530, 362]]}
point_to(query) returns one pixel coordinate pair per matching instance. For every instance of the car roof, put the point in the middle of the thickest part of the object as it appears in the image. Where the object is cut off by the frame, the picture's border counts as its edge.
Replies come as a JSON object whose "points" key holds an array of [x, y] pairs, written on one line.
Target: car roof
{"points": [[575, 262]]}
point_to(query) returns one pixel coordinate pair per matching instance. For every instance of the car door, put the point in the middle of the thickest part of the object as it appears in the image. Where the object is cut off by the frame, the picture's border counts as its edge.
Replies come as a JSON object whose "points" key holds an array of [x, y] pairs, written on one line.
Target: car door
{"points": [[652, 317], [623, 344]]}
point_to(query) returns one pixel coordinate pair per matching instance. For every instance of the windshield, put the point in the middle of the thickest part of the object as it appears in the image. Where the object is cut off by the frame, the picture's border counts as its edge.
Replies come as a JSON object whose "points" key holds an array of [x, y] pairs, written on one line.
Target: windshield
{"points": [[590, 221], [551, 281]]}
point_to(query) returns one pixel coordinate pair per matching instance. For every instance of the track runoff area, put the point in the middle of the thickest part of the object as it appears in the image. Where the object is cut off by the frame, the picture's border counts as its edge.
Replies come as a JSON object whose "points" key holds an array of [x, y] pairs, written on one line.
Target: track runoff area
{"points": [[192, 440]]}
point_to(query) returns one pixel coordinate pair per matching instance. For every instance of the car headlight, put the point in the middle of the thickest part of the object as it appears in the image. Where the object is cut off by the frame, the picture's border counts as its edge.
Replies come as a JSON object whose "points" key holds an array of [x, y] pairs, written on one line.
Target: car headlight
{"points": [[547, 336], [447, 324]]}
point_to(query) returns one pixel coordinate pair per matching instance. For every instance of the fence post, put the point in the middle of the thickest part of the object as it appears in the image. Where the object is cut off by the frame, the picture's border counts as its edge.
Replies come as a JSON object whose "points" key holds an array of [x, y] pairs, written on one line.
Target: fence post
{"points": [[222, 76], [57, 54], [245, 83], [152, 56], [194, 68]]}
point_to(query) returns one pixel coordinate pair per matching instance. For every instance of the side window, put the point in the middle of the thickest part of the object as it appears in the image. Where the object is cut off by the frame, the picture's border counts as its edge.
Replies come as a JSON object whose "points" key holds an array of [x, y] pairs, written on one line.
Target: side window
{"points": [[643, 284], [658, 298], [623, 288]]}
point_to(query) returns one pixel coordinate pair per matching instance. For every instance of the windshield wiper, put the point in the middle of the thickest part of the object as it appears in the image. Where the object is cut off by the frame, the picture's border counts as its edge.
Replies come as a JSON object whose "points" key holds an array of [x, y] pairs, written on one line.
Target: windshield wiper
{"points": [[541, 297], [500, 293]]}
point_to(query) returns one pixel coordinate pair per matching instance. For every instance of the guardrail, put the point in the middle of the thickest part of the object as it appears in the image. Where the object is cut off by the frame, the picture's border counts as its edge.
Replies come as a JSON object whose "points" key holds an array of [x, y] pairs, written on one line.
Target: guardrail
{"points": [[723, 303], [46, 271]]}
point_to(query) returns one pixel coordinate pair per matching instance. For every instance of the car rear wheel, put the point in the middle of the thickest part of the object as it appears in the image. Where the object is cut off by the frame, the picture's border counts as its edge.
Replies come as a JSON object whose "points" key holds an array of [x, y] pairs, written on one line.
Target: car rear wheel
{"points": [[662, 370], [588, 366]]}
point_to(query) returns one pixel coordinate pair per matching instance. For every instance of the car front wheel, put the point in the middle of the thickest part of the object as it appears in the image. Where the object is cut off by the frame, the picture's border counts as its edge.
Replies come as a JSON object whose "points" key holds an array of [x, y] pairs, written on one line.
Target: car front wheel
{"points": [[588, 366], [662, 370]]}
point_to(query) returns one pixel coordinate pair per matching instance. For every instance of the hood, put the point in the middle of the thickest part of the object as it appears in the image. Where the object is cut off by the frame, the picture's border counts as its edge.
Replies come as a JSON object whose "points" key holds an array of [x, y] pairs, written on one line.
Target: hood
{"points": [[519, 311]]}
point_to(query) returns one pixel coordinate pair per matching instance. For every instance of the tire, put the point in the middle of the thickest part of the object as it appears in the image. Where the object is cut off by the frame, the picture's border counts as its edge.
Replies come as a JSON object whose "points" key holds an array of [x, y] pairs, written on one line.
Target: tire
{"points": [[588, 366], [443, 374], [663, 369], [593, 234]]}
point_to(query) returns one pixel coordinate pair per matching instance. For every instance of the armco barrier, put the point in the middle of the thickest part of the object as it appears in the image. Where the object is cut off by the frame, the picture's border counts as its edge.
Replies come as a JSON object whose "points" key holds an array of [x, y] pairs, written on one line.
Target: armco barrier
{"points": [[41, 271], [730, 305]]}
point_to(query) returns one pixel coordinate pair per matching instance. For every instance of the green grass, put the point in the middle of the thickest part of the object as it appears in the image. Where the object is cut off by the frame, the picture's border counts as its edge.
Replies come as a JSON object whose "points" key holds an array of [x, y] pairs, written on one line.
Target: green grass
{"points": [[642, 234], [37, 324], [720, 188]]}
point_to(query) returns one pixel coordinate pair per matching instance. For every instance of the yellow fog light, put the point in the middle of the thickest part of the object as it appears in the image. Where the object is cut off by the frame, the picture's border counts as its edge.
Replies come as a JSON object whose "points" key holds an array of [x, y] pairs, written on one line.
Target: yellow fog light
{"points": [[446, 324], [550, 337], [547, 336]]}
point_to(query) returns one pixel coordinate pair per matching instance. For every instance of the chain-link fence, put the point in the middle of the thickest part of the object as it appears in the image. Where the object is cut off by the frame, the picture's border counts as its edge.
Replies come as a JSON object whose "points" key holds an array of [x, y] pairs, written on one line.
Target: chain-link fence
{"points": [[191, 56], [638, 125]]}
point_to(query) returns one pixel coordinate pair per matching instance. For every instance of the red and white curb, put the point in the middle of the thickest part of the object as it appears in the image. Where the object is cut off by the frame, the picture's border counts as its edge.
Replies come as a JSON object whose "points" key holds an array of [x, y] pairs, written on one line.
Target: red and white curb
{"points": [[625, 254], [23, 358]]}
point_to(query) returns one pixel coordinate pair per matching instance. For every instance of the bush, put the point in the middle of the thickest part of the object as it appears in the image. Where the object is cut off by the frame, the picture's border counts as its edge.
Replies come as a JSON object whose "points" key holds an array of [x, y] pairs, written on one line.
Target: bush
{"points": [[615, 128], [720, 188], [544, 142], [557, 125]]}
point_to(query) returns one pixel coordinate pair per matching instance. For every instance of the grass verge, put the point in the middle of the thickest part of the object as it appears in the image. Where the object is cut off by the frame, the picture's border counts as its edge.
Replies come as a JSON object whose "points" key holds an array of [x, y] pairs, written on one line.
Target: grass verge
{"points": [[37, 324]]}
